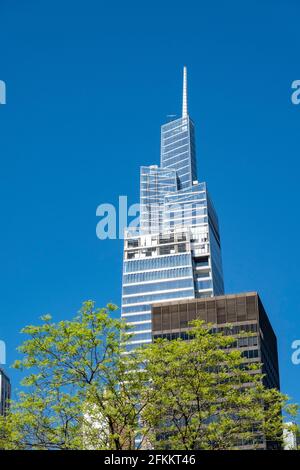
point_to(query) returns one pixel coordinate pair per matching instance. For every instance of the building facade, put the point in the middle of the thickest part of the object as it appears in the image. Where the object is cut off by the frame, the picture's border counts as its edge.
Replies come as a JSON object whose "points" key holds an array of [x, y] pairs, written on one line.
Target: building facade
{"points": [[290, 438], [5, 391], [244, 313], [172, 265], [176, 253]]}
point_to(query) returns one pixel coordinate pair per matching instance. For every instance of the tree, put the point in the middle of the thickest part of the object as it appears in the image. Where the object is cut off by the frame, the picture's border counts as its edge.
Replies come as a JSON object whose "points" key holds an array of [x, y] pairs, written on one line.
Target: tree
{"points": [[208, 399], [81, 390], [298, 437]]}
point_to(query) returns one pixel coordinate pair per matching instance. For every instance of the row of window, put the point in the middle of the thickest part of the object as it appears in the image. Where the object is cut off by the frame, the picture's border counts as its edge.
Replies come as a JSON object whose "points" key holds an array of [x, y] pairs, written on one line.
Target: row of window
{"points": [[203, 295], [202, 261], [168, 176], [218, 281], [237, 329], [182, 151], [165, 176], [159, 296], [251, 354], [140, 327], [172, 125], [185, 221], [141, 337], [158, 251], [130, 347], [154, 196], [170, 336], [173, 149], [195, 189], [172, 137], [202, 274], [157, 187], [245, 342], [189, 208], [152, 275], [156, 263], [137, 308], [177, 158], [241, 342], [182, 167], [172, 133], [183, 175], [203, 285], [269, 369], [182, 208], [135, 318], [179, 141], [160, 286]]}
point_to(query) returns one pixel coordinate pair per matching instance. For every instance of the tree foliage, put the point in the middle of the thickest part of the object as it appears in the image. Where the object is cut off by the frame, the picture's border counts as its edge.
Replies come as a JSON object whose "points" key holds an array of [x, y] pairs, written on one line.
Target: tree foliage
{"points": [[82, 390], [77, 390], [208, 397]]}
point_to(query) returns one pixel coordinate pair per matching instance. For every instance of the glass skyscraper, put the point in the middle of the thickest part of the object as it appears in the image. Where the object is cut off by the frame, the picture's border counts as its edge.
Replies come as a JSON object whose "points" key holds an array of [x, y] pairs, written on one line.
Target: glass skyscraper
{"points": [[177, 252], [178, 145]]}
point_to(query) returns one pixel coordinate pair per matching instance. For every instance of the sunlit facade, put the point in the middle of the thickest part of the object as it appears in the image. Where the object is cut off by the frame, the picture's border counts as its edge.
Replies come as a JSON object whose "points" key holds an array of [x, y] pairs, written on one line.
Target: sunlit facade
{"points": [[178, 151], [177, 252], [155, 184]]}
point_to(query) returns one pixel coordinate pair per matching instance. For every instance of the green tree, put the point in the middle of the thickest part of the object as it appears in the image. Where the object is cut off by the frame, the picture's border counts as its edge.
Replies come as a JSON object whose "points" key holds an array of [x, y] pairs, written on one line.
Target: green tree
{"points": [[81, 389], [208, 398], [298, 436]]}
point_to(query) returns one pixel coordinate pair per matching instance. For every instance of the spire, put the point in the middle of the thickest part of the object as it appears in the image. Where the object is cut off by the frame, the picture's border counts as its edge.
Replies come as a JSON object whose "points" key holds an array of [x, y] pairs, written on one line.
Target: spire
{"points": [[184, 94]]}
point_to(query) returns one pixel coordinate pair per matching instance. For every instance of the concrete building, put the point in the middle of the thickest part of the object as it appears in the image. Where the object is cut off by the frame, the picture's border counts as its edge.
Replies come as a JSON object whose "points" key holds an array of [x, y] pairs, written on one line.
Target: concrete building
{"points": [[244, 313], [5, 391], [290, 438]]}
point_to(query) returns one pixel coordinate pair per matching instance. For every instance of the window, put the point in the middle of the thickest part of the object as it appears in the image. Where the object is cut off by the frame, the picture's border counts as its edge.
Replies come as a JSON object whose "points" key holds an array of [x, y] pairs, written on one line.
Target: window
{"points": [[203, 261], [133, 243], [135, 318]]}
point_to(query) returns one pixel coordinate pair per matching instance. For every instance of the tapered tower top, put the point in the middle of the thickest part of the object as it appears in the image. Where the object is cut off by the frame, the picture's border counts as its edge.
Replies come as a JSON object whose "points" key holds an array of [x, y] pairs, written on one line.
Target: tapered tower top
{"points": [[184, 94]]}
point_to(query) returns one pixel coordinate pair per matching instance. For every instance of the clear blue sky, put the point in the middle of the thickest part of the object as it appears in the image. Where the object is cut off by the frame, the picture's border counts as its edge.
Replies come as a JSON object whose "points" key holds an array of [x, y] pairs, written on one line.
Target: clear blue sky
{"points": [[88, 86]]}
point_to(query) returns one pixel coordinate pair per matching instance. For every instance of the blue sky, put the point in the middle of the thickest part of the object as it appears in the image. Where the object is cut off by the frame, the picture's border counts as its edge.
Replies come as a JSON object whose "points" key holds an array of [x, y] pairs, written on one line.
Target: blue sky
{"points": [[88, 86]]}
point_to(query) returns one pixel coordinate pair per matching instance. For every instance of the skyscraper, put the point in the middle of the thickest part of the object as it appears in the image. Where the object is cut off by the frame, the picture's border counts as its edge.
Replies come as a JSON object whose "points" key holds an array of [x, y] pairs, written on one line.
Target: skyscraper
{"points": [[177, 252], [178, 149]]}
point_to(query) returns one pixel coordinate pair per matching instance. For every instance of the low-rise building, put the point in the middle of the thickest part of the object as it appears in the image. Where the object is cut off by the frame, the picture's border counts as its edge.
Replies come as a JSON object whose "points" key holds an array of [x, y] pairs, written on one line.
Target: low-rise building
{"points": [[5, 392], [243, 312]]}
